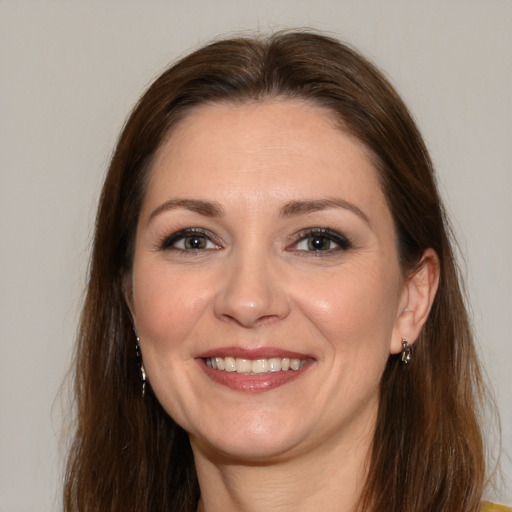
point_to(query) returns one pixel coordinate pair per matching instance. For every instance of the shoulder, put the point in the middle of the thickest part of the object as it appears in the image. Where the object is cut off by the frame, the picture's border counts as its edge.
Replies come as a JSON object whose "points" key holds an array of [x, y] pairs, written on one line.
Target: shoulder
{"points": [[492, 507]]}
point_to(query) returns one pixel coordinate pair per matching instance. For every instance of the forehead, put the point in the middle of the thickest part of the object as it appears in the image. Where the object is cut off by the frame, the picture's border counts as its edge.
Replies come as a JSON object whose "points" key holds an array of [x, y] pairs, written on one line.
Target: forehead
{"points": [[272, 142]]}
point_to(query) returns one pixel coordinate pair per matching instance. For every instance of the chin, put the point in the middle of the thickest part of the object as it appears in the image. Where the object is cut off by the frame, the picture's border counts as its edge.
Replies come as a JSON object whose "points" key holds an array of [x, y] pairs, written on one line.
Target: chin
{"points": [[256, 441]]}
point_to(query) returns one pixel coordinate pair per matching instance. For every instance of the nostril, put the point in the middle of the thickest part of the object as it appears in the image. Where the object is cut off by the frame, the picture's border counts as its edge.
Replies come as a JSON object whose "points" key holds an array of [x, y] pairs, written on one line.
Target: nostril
{"points": [[252, 294], [248, 320], [253, 314]]}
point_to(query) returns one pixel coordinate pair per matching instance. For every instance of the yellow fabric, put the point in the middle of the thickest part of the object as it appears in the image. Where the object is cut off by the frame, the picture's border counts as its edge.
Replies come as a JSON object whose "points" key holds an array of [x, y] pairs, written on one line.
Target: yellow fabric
{"points": [[492, 507]]}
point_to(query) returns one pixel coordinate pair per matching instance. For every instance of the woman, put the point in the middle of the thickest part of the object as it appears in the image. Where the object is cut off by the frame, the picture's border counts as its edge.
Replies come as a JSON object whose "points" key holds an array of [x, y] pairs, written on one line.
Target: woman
{"points": [[274, 319]]}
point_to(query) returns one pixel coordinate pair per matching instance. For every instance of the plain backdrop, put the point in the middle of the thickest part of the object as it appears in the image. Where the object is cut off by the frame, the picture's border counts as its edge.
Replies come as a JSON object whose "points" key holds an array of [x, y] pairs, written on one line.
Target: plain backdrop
{"points": [[71, 71]]}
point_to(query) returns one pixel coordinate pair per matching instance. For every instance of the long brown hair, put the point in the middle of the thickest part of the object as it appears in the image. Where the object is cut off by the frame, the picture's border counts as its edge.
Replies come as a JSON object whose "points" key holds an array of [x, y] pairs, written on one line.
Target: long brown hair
{"points": [[128, 454]]}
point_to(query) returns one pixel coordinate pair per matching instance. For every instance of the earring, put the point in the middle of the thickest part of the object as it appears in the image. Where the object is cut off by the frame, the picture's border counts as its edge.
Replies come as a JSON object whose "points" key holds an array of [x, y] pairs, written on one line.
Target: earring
{"points": [[406, 351], [140, 365]]}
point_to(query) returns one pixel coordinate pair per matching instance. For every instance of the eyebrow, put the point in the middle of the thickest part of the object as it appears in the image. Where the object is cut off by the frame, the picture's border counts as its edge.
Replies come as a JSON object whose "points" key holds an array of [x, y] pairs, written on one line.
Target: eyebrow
{"points": [[290, 209], [294, 208], [206, 208]]}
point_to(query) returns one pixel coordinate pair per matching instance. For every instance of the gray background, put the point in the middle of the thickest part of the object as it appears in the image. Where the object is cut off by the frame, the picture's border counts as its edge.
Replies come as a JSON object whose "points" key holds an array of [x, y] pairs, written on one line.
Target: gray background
{"points": [[70, 72]]}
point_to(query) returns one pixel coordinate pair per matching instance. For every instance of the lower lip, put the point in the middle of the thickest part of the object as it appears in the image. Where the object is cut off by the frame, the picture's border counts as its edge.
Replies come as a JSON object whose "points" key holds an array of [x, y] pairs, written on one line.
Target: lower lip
{"points": [[253, 383]]}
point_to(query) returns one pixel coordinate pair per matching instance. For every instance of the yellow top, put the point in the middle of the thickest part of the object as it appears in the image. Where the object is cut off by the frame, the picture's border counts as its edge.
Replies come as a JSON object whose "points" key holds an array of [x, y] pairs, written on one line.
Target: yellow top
{"points": [[492, 507]]}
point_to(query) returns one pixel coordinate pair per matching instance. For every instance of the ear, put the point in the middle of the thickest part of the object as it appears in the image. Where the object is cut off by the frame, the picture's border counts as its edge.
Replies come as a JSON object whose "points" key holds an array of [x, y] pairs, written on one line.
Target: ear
{"points": [[416, 299]]}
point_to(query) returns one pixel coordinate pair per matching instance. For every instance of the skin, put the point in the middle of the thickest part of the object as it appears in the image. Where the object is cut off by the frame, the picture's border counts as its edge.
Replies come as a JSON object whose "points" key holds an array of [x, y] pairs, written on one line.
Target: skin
{"points": [[256, 282]]}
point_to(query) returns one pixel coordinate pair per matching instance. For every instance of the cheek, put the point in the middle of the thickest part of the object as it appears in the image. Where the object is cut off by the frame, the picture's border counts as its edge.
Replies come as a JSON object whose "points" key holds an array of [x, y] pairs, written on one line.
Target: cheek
{"points": [[166, 305], [352, 307]]}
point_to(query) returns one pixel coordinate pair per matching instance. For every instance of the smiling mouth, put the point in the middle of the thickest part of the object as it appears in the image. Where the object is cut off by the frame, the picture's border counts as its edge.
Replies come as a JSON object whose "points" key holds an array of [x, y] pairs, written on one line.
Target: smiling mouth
{"points": [[260, 366]]}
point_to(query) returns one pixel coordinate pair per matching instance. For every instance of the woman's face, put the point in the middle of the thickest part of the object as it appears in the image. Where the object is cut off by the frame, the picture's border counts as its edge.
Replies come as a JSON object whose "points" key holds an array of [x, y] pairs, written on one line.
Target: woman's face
{"points": [[265, 248]]}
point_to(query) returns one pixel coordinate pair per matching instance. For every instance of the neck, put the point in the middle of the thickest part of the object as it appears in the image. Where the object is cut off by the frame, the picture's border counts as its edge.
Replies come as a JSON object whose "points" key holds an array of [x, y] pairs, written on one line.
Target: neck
{"points": [[329, 480]]}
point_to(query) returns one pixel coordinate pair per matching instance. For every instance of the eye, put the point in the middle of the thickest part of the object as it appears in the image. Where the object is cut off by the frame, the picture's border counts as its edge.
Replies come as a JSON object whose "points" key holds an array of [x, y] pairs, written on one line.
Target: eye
{"points": [[190, 239], [322, 240]]}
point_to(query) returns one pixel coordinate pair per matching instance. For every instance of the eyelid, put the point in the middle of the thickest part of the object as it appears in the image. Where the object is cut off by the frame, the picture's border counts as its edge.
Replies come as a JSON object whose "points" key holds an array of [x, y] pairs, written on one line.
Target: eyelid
{"points": [[167, 242], [338, 238]]}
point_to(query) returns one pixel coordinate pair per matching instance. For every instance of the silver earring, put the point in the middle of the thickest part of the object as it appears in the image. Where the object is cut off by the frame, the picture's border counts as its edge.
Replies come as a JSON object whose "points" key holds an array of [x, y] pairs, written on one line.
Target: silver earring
{"points": [[140, 365], [406, 351]]}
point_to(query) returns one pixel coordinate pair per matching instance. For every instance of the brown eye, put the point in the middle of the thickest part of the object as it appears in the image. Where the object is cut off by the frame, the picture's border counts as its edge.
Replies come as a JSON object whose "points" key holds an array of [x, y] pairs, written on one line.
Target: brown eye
{"points": [[195, 242], [189, 240], [319, 243]]}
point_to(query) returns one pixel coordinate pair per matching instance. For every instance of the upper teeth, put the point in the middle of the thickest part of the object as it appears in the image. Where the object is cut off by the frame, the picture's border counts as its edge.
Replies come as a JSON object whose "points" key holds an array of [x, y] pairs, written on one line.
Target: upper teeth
{"points": [[239, 365]]}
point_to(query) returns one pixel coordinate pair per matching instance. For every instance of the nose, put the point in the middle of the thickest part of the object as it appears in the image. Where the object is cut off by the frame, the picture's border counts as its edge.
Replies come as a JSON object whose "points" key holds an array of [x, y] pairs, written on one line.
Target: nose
{"points": [[253, 292]]}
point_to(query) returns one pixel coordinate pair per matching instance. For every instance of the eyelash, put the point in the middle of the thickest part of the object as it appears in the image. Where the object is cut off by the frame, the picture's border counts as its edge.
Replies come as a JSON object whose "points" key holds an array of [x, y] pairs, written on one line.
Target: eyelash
{"points": [[342, 242], [169, 242]]}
